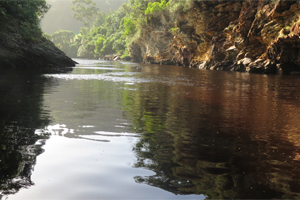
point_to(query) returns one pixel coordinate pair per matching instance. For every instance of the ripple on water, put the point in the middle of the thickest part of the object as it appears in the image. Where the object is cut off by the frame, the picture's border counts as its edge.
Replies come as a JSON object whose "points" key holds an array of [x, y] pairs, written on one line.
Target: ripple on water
{"points": [[114, 137], [98, 136], [114, 77], [89, 62], [114, 134], [102, 68], [130, 78]]}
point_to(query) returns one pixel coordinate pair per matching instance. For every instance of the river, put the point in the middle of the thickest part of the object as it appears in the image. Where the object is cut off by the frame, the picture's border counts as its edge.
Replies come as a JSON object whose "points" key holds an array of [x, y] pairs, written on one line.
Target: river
{"points": [[121, 130]]}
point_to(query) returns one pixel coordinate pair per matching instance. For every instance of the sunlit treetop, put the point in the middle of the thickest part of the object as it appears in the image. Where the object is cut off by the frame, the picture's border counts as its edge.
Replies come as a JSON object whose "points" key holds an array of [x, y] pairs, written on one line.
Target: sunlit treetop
{"points": [[85, 11]]}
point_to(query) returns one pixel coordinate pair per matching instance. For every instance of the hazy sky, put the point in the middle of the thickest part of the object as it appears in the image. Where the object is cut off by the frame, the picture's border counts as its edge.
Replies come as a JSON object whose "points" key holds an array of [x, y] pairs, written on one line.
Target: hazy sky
{"points": [[60, 15]]}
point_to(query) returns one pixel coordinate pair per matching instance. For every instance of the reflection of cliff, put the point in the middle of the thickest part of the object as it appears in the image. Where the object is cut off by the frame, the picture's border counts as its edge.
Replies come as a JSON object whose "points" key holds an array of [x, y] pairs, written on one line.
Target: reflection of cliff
{"points": [[234, 137], [20, 115], [254, 36]]}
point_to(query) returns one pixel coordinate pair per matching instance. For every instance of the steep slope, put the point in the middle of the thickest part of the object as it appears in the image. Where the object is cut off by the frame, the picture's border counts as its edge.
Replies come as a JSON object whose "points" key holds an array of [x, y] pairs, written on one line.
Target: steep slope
{"points": [[253, 36], [21, 40], [40, 54]]}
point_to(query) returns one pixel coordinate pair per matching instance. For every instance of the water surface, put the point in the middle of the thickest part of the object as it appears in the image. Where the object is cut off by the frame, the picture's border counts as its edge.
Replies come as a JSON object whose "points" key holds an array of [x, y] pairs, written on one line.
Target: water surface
{"points": [[110, 130]]}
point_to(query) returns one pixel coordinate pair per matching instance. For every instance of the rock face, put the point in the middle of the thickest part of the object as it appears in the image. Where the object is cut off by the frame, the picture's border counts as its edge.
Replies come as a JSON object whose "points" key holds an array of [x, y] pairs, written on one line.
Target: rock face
{"points": [[252, 36], [38, 54]]}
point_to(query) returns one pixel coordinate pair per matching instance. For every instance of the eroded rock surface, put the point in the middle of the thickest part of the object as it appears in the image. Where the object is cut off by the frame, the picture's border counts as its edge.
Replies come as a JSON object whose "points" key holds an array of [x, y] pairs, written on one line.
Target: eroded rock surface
{"points": [[40, 53], [252, 36]]}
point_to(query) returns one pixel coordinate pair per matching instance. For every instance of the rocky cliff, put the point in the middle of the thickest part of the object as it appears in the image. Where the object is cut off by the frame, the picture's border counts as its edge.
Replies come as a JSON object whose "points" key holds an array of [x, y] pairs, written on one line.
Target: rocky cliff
{"points": [[260, 36], [38, 53]]}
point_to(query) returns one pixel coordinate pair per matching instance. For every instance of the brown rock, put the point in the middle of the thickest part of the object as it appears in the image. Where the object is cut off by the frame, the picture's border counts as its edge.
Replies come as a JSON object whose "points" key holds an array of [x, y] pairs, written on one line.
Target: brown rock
{"points": [[256, 36]]}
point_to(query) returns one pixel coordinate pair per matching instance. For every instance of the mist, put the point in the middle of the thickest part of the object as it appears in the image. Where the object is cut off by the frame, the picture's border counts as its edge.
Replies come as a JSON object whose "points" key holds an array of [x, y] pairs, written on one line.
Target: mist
{"points": [[60, 15]]}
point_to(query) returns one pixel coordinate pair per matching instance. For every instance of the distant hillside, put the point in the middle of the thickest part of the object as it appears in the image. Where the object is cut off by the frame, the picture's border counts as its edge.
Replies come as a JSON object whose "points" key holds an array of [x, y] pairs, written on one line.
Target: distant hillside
{"points": [[60, 15]]}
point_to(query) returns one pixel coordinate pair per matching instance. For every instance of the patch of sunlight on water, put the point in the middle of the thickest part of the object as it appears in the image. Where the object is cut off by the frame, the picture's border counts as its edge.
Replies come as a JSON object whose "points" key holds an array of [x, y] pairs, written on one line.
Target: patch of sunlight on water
{"points": [[150, 132], [83, 169], [103, 68], [113, 77]]}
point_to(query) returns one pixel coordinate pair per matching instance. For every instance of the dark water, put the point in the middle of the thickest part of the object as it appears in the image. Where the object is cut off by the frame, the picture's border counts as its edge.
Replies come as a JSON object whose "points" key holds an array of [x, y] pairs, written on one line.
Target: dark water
{"points": [[109, 130]]}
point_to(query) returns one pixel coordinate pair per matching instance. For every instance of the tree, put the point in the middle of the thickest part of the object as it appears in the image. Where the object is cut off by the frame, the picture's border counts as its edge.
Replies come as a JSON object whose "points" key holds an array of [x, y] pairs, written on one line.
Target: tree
{"points": [[25, 10], [26, 15], [62, 36], [64, 40], [85, 11]]}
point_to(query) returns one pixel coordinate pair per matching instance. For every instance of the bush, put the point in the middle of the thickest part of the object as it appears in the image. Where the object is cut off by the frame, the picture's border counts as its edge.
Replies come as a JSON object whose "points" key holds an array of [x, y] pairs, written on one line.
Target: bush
{"points": [[65, 41], [156, 6], [27, 14], [129, 27]]}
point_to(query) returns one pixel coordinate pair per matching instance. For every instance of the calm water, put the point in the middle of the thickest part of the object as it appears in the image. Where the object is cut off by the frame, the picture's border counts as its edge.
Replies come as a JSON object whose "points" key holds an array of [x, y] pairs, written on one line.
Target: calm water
{"points": [[109, 130]]}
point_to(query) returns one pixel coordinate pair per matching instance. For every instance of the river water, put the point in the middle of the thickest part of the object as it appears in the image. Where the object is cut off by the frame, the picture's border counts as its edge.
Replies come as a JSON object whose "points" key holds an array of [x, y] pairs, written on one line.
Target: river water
{"points": [[120, 130]]}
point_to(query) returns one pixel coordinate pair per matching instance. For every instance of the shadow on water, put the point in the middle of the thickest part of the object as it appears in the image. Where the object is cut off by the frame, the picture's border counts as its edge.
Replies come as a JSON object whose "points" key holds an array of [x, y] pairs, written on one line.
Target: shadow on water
{"points": [[20, 115], [219, 143], [223, 135]]}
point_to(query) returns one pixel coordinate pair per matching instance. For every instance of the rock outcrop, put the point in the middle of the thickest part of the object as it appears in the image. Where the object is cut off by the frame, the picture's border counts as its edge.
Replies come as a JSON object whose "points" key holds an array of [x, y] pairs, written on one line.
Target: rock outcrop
{"points": [[38, 53], [252, 36]]}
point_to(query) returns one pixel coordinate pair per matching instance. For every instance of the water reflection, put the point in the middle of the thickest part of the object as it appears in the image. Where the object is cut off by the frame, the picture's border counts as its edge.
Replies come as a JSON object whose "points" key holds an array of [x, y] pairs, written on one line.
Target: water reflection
{"points": [[220, 134], [87, 101], [231, 135], [62, 130], [20, 116]]}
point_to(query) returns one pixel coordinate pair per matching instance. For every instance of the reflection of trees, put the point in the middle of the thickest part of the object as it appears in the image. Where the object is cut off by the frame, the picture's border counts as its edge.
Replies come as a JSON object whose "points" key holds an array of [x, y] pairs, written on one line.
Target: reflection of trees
{"points": [[84, 101], [223, 143], [20, 115]]}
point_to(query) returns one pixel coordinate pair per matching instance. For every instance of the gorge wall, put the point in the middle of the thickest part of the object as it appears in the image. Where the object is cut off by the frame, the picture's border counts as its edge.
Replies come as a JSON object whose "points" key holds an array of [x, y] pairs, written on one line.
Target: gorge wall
{"points": [[251, 36], [41, 55], [18, 51]]}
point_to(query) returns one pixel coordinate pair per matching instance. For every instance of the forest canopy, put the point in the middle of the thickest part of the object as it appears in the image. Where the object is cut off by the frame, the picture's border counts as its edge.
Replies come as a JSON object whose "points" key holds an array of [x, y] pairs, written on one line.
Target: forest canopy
{"points": [[112, 32], [26, 14]]}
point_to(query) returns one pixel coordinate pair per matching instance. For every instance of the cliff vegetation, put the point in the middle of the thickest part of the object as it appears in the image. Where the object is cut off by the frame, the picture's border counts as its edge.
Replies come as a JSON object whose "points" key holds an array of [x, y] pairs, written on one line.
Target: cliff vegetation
{"points": [[252, 36]]}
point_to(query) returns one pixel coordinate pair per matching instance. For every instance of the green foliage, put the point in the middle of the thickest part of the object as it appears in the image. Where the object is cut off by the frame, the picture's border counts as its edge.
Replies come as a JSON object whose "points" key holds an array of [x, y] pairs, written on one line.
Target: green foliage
{"points": [[48, 37], [85, 11], [129, 27], [26, 15], [99, 45], [86, 50], [25, 10], [105, 36], [64, 40], [62, 36], [156, 6], [112, 32], [174, 30]]}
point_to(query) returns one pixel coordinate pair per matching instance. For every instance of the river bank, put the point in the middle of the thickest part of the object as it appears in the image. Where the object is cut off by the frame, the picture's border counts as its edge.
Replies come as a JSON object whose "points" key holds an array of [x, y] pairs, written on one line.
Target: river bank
{"points": [[248, 36], [38, 53], [42, 54]]}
